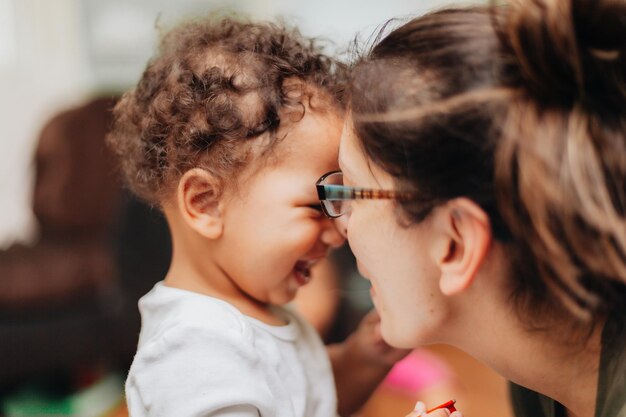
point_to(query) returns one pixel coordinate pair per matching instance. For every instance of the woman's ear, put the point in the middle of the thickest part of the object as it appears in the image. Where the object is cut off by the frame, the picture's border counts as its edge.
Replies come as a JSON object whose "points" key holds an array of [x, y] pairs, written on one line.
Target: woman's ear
{"points": [[467, 232], [199, 204]]}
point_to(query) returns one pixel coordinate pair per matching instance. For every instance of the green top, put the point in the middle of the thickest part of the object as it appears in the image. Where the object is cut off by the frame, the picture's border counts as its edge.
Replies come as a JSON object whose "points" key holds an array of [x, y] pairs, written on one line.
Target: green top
{"points": [[611, 400]]}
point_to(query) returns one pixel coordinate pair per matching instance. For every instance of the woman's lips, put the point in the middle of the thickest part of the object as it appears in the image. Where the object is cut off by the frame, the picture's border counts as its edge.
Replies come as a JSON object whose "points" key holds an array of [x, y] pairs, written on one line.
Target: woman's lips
{"points": [[362, 270]]}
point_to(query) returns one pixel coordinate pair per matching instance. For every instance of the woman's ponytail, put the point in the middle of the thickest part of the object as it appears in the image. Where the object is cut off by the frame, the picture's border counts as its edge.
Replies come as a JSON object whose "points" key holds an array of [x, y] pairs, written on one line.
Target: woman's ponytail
{"points": [[570, 51], [560, 167]]}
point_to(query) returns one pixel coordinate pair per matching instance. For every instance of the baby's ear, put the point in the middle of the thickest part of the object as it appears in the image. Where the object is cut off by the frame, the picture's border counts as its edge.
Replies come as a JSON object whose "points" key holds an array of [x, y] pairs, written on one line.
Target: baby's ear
{"points": [[198, 202]]}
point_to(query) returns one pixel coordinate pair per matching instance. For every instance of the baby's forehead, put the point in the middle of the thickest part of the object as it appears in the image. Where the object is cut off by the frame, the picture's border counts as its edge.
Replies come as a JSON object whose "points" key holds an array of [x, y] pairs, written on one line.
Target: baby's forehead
{"points": [[311, 141]]}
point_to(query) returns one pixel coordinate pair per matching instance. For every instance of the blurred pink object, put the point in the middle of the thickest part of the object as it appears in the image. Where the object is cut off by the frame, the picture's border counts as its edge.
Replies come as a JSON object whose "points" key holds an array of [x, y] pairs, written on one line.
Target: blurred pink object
{"points": [[419, 370]]}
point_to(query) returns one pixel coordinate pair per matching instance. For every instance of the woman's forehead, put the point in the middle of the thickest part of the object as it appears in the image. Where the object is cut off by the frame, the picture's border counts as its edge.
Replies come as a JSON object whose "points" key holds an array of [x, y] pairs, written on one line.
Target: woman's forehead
{"points": [[347, 145], [352, 158], [354, 162]]}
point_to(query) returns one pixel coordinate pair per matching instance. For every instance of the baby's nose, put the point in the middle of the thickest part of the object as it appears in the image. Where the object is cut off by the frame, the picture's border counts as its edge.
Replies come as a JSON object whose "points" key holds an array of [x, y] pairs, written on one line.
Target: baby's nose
{"points": [[332, 235]]}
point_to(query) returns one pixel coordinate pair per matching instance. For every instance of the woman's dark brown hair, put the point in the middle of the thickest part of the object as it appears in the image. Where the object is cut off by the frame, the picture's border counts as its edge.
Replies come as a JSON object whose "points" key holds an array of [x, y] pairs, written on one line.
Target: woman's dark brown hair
{"points": [[215, 84], [521, 108]]}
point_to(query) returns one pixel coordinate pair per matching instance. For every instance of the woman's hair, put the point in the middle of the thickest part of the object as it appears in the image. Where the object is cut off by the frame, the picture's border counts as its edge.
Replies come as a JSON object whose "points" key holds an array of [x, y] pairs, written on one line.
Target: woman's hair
{"points": [[521, 108], [215, 84]]}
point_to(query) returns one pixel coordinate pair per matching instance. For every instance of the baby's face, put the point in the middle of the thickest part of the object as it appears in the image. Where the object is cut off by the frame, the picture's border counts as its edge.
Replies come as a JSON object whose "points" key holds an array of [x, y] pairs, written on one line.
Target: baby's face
{"points": [[274, 230]]}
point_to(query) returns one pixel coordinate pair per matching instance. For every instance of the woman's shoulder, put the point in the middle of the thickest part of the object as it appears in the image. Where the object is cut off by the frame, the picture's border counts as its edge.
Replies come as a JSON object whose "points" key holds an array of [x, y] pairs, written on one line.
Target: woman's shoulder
{"points": [[528, 403], [611, 399]]}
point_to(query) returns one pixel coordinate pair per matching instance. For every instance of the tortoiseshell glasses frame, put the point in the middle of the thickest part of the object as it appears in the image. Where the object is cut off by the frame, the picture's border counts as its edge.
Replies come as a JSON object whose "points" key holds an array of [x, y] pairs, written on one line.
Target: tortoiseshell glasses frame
{"points": [[335, 197]]}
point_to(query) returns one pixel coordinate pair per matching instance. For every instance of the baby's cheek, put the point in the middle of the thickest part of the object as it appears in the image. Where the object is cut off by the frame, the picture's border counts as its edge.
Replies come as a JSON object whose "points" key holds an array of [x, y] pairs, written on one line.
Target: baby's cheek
{"points": [[307, 235]]}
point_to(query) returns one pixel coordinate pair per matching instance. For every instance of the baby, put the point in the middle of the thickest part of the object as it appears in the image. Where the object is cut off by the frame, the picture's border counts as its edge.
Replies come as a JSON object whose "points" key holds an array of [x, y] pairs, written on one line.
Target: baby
{"points": [[226, 132]]}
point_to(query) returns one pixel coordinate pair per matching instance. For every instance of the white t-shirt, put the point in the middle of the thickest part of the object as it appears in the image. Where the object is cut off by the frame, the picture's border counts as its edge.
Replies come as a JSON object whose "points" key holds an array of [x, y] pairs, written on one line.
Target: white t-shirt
{"points": [[200, 356]]}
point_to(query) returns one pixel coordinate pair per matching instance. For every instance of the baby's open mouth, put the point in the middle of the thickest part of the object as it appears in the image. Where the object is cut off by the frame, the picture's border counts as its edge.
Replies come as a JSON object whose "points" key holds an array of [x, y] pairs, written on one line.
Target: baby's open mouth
{"points": [[302, 272]]}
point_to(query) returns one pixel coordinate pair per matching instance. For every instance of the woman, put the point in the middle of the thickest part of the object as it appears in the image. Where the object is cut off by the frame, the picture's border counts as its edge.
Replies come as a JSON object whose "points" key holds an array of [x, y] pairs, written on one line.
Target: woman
{"points": [[494, 140]]}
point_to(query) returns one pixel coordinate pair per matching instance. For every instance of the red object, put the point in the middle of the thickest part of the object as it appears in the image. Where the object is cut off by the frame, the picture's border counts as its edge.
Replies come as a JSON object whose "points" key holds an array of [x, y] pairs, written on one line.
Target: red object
{"points": [[449, 405]]}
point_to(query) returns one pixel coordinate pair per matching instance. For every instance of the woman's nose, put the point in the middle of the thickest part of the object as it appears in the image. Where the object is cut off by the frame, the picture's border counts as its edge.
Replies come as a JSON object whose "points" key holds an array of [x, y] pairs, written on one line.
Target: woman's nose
{"points": [[332, 234], [341, 223]]}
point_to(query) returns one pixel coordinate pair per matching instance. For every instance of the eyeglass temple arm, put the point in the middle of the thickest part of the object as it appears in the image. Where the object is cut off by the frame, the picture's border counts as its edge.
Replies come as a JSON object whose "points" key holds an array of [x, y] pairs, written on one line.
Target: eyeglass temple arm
{"points": [[342, 192], [336, 192]]}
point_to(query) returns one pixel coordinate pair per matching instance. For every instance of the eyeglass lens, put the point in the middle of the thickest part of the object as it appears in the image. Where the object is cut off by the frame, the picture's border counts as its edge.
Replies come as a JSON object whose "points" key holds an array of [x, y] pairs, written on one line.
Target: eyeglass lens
{"points": [[334, 205]]}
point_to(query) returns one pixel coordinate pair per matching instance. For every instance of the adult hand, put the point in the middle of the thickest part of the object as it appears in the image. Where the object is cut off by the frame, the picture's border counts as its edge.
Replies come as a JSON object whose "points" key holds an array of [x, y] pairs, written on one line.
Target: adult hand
{"points": [[360, 363], [370, 344]]}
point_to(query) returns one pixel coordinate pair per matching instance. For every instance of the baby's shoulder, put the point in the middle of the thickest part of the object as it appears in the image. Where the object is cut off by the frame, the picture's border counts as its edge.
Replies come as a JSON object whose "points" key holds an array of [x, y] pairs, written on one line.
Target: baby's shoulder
{"points": [[202, 352], [210, 314], [187, 316]]}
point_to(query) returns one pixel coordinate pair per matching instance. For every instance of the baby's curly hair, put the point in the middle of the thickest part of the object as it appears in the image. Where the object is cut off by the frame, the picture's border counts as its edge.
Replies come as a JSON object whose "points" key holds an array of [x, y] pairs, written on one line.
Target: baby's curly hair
{"points": [[215, 84]]}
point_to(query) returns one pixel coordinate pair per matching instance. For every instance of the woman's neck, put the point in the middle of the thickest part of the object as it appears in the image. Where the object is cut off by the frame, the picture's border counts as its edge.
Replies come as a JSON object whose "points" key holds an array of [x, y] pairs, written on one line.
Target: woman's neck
{"points": [[564, 369]]}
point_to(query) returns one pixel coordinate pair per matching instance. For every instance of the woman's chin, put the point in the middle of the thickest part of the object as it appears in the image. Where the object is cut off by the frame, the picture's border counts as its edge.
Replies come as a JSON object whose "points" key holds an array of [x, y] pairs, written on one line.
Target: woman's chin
{"points": [[397, 339]]}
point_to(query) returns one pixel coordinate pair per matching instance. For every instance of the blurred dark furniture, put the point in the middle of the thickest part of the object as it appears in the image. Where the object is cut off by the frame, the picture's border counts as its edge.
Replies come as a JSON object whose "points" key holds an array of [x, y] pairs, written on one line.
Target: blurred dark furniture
{"points": [[70, 299]]}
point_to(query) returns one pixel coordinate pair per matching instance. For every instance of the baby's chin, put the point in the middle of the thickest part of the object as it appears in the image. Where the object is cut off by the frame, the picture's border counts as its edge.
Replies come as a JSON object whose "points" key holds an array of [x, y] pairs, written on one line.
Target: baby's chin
{"points": [[284, 297]]}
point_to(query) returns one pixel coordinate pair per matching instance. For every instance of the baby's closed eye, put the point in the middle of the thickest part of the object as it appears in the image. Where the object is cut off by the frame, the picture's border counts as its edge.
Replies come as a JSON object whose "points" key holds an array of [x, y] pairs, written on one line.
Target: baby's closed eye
{"points": [[316, 206]]}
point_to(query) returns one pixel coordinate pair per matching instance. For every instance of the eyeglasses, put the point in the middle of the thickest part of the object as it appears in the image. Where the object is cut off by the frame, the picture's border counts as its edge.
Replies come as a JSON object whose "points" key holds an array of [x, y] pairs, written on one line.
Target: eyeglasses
{"points": [[336, 198]]}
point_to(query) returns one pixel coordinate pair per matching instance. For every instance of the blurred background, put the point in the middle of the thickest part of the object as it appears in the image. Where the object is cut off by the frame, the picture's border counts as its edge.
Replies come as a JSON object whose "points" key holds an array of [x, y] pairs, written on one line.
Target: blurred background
{"points": [[76, 251], [55, 54]]}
